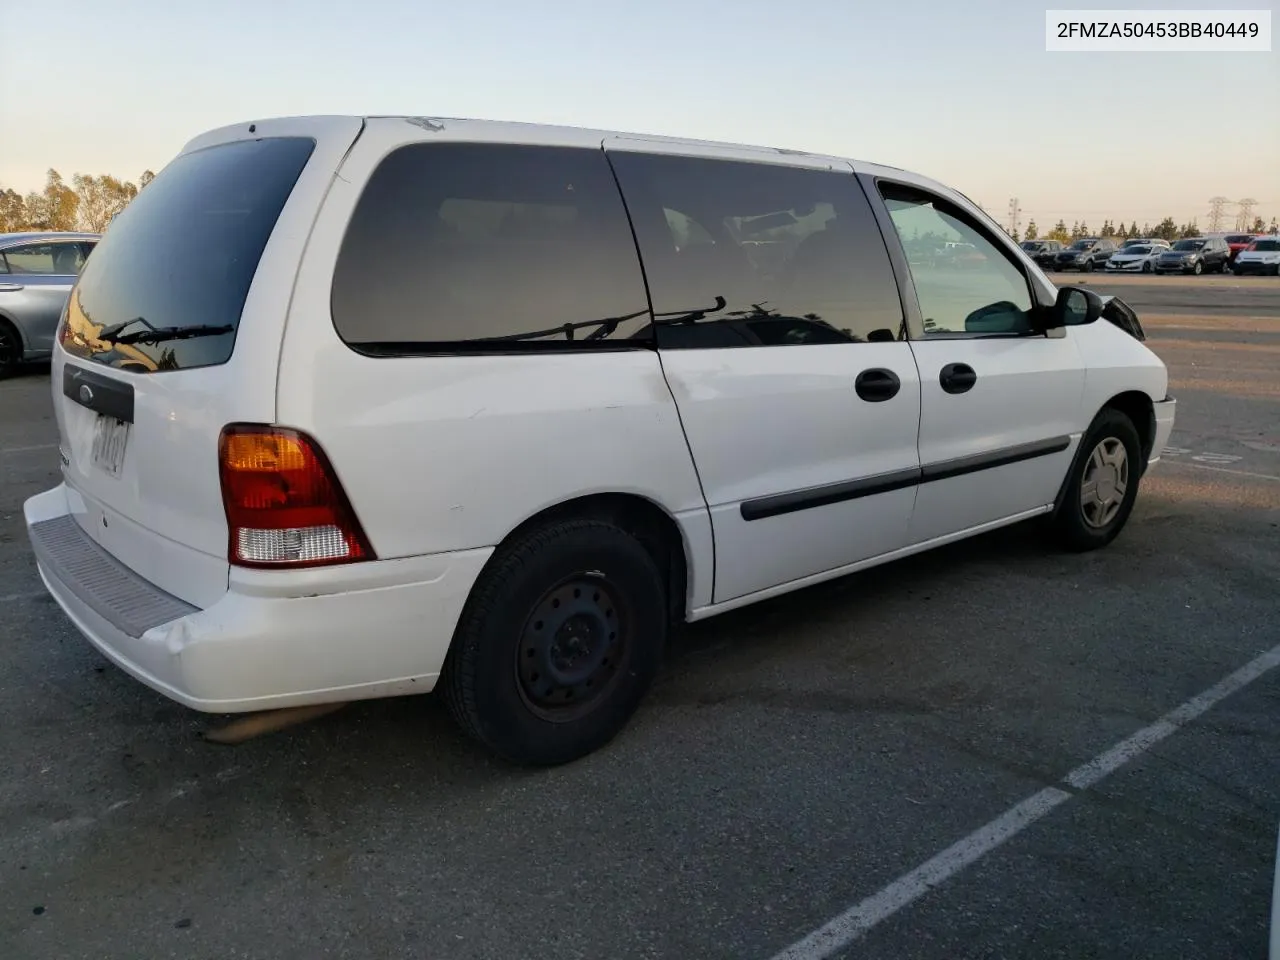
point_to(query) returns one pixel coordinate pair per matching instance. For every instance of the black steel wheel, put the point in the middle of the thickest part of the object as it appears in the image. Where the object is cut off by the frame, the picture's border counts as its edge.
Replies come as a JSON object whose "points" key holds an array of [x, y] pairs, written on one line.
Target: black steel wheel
{"points": [[10, 350], [572, 646], [559, 641]]}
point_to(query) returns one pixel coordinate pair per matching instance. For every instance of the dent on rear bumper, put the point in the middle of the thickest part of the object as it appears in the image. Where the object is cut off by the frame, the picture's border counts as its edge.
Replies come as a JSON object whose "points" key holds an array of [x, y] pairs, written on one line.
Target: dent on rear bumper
{"points": [[277, 639]]}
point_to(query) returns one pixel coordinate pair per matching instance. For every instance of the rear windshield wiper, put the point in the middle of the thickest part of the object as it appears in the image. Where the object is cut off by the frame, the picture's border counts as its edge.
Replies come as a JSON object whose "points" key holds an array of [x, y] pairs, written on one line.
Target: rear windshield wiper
{"points": [[164, 334]]}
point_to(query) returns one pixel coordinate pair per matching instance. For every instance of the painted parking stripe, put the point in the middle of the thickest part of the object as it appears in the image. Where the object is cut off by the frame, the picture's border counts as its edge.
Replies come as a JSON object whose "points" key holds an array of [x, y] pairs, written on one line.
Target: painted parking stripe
{"points": [[31, 449], [19, 597], [858, 920], [1238, 473]]}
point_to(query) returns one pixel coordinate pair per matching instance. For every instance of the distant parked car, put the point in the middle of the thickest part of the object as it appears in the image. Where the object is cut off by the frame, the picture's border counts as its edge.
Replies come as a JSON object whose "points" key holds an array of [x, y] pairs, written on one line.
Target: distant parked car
{"points": [[1195, 255], [1086, 254], [1261, 256], [1237, 242], [1042, 252], [1145, 242], [37, 271], [1138, 258]]}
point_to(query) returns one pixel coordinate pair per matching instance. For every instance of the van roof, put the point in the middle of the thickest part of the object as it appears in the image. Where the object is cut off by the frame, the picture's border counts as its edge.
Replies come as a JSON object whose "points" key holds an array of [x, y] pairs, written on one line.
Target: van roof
{"points": [[541, 133], [499, 131]]}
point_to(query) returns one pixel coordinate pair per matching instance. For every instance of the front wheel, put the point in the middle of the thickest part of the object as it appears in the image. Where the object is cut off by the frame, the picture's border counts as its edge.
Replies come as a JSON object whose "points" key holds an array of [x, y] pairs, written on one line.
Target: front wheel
{"points": [[1103, 485], [559, 642], [10, 350], [1146, 268], [1088, 266], [1198, 268]]}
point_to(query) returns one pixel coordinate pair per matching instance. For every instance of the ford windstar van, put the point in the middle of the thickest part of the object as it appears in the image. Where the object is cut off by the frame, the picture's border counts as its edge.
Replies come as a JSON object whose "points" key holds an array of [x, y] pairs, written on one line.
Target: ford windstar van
{"points": [[359, 407]]}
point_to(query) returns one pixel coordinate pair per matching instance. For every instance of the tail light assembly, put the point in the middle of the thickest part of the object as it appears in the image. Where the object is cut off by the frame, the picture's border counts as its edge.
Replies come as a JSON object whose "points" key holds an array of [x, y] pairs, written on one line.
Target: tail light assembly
{"points": [[284, 504]]}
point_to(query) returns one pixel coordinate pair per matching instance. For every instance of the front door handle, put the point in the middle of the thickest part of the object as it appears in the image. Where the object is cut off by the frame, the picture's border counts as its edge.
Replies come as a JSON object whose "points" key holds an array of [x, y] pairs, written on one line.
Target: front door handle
{"points": [[10, 286], [957, 378], [877, 385]]}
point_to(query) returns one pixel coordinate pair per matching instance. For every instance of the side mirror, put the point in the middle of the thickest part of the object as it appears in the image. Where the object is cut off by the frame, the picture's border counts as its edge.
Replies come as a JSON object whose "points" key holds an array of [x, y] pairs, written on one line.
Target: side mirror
{"points": [[1075, 307]]}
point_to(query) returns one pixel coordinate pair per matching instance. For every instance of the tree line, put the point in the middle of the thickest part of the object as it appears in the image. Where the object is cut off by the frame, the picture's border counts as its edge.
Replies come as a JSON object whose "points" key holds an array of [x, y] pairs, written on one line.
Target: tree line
{"points": [[1166, 229], [86, 203]]}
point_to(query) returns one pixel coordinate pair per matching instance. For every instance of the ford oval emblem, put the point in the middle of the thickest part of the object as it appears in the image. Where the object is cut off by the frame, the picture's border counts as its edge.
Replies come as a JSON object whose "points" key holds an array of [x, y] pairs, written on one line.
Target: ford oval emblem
{"points": [[86, 394]]}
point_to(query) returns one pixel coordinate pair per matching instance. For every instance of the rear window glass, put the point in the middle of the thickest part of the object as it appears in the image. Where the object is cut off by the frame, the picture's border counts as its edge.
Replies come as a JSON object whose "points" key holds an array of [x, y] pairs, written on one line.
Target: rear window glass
{"points": [[479, 247], [176, 264]]}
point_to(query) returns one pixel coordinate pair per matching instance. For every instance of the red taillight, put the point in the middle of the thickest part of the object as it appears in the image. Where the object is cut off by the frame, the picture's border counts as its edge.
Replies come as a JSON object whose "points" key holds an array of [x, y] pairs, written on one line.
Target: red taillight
{"points": [[284, 504]]}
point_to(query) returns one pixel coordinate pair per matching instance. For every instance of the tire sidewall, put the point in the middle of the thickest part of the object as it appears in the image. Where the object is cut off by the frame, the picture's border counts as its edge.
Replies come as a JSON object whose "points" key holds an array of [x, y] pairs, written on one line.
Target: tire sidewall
{"points": [[1077, 533], [14, 344], [490, 636]]}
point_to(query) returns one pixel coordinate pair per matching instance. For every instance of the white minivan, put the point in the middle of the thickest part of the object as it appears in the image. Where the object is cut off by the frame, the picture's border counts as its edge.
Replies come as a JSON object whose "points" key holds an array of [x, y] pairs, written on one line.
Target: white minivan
{"points": [[358, 407]]}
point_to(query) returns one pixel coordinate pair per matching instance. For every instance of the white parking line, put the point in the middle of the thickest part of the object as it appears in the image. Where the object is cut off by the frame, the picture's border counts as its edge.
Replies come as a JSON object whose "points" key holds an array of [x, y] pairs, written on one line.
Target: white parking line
{"points": [[1238, 473], [855, 922], [18, 597], [38, 446]]}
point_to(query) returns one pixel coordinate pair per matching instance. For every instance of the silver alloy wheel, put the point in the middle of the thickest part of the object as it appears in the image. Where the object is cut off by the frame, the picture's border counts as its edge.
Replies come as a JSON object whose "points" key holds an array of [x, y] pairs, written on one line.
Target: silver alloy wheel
{"points": [[1106, 477]]}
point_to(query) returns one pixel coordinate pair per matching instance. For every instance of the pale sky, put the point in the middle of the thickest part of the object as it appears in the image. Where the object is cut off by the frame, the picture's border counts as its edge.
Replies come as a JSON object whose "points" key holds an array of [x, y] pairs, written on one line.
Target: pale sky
{"points": [[962, 91]]}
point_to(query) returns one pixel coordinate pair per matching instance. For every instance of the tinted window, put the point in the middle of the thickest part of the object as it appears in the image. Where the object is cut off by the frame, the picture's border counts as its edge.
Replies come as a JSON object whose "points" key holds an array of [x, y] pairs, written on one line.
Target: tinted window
{"points": [[976, 291], [745, 254], [49, 259], [451, 244], [1268, 245], [181, 256]]}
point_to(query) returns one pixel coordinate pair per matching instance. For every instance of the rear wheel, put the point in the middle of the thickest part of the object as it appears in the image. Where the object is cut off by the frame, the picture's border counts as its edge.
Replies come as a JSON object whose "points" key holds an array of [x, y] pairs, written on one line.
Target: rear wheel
{"points": [[10, 350], [1104, 483], [559, 642]]}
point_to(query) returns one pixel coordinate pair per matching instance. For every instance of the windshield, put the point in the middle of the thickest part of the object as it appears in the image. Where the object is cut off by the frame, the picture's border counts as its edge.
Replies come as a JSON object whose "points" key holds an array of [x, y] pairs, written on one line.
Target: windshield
{"points": [[1188, 244], [1269, 245], [1241, 238], [1083, 244], [1137, 249], [1032, 245], [168, 281]]}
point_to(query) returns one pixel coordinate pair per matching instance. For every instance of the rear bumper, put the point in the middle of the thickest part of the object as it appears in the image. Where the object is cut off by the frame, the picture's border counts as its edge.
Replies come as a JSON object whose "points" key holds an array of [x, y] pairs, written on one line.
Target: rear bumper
{"points": [[275, 638], [1165, 412]]}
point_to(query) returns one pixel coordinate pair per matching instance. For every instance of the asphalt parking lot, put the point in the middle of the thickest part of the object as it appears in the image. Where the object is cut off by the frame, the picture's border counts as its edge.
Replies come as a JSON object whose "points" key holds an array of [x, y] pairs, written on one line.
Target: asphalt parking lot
{"points": [[797, 762]]}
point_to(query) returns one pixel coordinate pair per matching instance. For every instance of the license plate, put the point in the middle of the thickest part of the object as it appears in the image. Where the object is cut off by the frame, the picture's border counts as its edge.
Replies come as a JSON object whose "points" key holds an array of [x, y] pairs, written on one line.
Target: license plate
{"points": [[110, 436]]}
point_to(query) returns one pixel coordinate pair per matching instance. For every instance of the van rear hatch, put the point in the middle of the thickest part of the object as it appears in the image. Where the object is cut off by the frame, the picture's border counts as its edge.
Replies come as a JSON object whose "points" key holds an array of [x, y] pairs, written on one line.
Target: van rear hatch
{"points": [[173, 330]]}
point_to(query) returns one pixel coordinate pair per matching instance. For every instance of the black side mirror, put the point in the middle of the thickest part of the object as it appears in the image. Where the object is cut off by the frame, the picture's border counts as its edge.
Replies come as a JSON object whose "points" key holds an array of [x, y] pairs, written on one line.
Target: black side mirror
{"points": [[1075, 307]]}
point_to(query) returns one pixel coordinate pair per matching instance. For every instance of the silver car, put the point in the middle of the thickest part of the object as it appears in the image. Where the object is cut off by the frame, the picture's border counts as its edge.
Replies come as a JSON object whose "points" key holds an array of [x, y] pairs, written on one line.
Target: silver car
{"points": [[37, 271]]}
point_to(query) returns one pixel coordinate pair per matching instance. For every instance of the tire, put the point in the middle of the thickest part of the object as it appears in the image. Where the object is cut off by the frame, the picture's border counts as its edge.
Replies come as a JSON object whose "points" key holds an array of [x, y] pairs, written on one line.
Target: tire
{"points": [[511, 680], [10, 350], [1146, 267], [1079, 528], [1198, 268], [1088, 266]]}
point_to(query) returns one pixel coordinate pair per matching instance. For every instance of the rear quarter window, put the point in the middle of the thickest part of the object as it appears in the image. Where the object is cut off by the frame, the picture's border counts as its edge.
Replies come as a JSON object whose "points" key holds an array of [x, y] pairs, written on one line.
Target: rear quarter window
{"points": [[489, 247], [177, 262]]}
